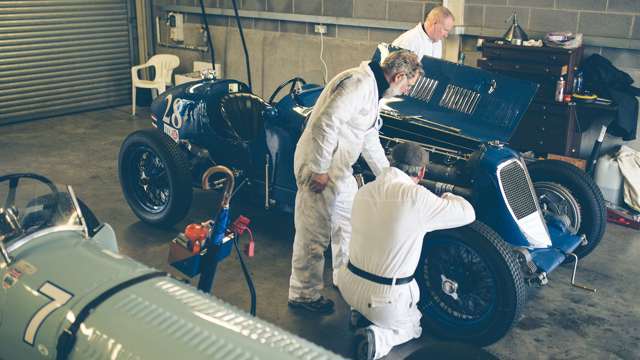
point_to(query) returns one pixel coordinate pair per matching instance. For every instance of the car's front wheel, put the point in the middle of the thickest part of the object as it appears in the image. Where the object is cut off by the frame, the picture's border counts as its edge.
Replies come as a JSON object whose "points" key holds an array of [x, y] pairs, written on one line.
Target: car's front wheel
{"points": [[471, 287], [155, 177]]}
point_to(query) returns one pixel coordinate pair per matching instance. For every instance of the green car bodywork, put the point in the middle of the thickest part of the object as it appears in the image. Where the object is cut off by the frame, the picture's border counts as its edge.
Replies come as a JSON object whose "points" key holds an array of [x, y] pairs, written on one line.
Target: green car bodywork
{"points": [[56, 272]]}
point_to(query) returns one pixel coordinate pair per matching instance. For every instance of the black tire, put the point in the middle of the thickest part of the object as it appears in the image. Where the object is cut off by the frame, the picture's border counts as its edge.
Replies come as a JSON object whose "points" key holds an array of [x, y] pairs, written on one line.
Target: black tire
{"points": [[490, 290], [584, 190], [162, 197]]}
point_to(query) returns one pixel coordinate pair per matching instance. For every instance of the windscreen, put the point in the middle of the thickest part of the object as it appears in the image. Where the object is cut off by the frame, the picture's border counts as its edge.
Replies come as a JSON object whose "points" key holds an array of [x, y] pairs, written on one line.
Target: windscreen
{"points": [[37, 203]]}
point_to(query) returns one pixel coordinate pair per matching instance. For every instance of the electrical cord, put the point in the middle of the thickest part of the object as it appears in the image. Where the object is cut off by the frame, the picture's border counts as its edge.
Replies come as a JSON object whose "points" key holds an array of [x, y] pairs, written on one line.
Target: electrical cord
{"points": [[245, 270], [324, 64], [244, 43], [206, 28]]}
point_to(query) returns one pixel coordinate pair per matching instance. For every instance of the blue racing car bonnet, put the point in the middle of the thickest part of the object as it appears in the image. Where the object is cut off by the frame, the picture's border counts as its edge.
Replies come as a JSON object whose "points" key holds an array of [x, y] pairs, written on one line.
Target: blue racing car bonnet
{"points": [[471, 102]]}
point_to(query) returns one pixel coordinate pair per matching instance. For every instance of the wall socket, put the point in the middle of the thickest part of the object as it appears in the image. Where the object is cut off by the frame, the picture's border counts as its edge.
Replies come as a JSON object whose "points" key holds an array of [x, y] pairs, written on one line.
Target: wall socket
{"points": [[320, 29]]}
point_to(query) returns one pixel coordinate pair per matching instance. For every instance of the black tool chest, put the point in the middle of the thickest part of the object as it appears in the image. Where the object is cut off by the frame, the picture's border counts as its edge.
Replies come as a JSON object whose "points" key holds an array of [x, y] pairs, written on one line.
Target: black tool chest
{"points": [[548, 126]]}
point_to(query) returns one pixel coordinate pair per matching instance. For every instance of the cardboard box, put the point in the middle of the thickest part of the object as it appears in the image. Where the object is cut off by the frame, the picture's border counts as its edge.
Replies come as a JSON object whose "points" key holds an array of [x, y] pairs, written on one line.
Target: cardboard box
{"points": [[181, 258]]}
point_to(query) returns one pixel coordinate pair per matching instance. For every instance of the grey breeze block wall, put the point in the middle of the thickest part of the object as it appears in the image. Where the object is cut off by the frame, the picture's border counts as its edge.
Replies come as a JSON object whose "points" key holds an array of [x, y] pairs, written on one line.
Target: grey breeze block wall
{"points": [[281, 49], [615, 22]]}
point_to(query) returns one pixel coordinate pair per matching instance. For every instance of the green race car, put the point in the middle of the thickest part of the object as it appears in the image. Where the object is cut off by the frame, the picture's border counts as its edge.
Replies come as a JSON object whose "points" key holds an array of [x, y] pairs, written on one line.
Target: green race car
{"points": [[68, 294]]}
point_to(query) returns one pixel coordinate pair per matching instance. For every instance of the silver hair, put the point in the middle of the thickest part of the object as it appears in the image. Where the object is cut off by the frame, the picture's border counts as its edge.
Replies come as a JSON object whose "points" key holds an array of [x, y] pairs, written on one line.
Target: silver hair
{"points": [[412, 171], [402, 62], [438, 13]]}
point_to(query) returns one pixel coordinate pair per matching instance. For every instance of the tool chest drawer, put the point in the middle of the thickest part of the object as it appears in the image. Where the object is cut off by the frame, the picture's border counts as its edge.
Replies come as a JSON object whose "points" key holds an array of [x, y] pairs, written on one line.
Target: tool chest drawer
{"points": [[547, 126], [548, 129], [542, 65], [551, 70], [524, 54]]}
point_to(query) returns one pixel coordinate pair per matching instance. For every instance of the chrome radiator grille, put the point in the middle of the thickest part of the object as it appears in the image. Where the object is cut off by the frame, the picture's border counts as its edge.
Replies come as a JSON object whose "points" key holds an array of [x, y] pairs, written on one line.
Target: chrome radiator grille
{"points": [[517, 190]]}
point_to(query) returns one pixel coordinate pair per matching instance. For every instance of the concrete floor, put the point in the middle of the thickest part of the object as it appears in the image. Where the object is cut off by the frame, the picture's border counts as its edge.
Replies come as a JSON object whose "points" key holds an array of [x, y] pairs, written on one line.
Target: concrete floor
{"points": [[559, 322]]}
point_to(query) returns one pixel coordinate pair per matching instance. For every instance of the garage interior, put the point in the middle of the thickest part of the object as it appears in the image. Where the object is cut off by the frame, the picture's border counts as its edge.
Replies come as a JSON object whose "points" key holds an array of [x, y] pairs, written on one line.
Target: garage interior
{"points": [[71, 111]]}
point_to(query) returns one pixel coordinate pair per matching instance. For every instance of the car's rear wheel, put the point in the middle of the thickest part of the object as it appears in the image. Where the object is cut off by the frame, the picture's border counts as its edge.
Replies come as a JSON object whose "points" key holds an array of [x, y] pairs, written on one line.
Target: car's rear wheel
{"points": [[549, 178], [472, 289], [155, 177]]}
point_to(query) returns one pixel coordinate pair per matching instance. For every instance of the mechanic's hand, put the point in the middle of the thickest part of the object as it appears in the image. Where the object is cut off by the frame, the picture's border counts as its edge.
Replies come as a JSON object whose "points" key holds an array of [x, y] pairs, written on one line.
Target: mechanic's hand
{"points": [[318, 182]]}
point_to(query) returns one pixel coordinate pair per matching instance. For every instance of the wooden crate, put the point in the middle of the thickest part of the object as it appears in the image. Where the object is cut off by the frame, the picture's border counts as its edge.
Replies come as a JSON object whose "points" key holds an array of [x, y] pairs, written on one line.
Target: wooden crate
{"points": [[579, 163]]}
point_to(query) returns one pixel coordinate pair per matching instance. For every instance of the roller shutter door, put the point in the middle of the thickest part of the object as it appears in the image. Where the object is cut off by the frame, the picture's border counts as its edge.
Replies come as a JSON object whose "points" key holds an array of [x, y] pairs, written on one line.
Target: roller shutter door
{"points": [[62, 56]]}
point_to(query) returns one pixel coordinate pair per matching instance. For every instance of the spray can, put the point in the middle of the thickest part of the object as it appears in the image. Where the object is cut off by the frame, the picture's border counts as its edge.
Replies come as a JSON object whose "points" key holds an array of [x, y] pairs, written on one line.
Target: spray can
{"points": [[579, 83], [560, 90], [461, 58]]}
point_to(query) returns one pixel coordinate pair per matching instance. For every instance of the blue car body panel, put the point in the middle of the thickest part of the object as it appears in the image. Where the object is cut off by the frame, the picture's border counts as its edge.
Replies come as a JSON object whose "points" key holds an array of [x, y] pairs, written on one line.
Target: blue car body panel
{"points": [[191, 108], [494, 211], [563, 244], [482, 105]]}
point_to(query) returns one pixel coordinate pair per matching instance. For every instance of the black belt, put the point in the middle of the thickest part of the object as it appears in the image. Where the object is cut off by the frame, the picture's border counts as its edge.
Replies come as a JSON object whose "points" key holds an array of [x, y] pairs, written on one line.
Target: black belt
{"points": [[378, 279]]}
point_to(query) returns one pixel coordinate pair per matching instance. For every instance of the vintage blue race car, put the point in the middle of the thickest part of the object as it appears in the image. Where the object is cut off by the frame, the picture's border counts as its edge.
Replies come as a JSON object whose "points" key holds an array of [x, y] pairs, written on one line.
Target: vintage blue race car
{"points": [[67, 293], [532, 215]]}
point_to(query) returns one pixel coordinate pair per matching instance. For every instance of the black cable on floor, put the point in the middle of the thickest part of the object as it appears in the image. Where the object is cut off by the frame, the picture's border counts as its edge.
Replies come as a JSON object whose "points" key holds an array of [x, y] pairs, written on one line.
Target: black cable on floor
{"points": [[247, 277]]}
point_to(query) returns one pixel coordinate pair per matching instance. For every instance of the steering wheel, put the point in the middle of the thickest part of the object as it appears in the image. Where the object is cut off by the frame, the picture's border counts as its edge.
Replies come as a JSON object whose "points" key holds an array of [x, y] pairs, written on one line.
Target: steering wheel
{"points": [[9, 210], [296, 86]]}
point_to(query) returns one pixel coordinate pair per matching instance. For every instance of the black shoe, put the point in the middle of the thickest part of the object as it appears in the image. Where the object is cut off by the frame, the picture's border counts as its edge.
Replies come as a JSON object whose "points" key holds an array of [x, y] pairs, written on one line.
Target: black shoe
{"points": [[321, 306], [365, 344], [357, 320]]}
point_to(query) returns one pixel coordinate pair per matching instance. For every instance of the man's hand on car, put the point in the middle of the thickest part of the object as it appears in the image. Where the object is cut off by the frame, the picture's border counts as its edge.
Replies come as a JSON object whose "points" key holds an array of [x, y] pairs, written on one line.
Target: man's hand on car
{"points": [[318, 182]]}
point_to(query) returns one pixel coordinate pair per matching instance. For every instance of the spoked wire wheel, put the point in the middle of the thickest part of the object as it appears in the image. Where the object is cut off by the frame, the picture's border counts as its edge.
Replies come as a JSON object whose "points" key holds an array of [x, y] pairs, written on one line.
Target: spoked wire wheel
{"points": [[472, 289], [150, 183], [556, 200], [459, 281], [155, 177]]}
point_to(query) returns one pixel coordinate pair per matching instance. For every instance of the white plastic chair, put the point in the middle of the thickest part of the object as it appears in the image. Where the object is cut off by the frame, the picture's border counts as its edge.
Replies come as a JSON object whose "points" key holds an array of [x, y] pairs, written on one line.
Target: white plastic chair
{"points": [[164, 65]]}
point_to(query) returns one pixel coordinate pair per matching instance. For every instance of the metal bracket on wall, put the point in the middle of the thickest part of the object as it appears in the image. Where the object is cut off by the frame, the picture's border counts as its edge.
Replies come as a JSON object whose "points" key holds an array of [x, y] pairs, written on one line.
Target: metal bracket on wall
{"points": [[186, 47], [202, 49]]}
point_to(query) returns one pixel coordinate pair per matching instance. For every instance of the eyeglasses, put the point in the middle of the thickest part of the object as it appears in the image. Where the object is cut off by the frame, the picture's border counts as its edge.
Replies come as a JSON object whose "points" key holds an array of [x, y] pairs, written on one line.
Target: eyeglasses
{"points": [[411, 82]]}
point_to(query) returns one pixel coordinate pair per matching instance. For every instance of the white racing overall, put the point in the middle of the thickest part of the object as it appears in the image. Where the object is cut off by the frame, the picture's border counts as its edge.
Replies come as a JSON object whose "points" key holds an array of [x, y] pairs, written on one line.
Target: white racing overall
{"points": [[344, 124], [419, 42], [390, 218]]}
